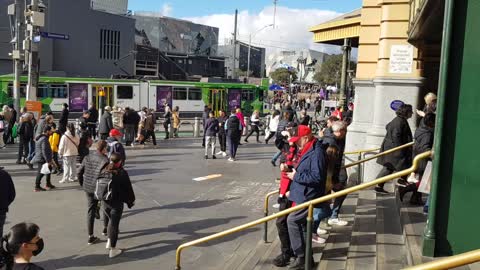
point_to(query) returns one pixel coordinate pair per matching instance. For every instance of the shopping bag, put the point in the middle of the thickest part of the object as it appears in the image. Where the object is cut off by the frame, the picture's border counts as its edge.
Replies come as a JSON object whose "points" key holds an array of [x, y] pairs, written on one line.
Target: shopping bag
{"points": [[45, 169], [426, 181], [15, 131]]}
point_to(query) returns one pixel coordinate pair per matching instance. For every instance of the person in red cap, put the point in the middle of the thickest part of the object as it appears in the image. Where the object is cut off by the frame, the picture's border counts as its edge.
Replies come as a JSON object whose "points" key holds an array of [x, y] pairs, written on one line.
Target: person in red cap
{"points": [[114, 144]]}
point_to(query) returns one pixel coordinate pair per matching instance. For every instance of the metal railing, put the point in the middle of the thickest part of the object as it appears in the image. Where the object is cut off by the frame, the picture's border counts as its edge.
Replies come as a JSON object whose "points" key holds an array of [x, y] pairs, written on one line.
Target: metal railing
{"points": [[310, 205], [361, 155], [449, 262], [358, 163]]}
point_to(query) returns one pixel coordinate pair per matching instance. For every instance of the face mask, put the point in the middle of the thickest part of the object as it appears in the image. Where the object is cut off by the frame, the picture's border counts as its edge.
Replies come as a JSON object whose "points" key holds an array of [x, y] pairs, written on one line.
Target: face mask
{"points": [[40, 246]]}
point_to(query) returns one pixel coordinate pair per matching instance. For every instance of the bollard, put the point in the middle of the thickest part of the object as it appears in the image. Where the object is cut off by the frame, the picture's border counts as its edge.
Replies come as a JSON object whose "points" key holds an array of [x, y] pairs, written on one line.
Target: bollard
{"points": [[308, 240], [170, 130], [196, 127]]}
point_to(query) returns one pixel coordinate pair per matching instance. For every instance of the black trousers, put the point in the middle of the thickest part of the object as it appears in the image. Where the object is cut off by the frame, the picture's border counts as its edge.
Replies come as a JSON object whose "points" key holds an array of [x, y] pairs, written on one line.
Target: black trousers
{"points": [[92, 204], [282, 227], [386, 170], [222, 138], [38, 180], [112, 214], [270, 136], [23, 148], [165, 126], [149, 133], [92, 130], [103, 136], [253, 129]]}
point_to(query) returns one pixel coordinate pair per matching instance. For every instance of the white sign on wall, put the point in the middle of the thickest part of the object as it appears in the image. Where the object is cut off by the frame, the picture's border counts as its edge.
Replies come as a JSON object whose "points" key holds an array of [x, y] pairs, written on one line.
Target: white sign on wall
{"points": [[401, 59]]}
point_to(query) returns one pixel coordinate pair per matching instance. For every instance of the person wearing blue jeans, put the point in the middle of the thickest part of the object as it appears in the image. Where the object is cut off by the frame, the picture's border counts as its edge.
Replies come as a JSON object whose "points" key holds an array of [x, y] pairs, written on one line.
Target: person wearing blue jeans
{"points": [[320, 212]]}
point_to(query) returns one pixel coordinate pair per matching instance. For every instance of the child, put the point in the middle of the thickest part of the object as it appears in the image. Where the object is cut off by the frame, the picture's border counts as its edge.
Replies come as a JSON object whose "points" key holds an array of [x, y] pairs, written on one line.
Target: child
{"points": [[54, 141]]}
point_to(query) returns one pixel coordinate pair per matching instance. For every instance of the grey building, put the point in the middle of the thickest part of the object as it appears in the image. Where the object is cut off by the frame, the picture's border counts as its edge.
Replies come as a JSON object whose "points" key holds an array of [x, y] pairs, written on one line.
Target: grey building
{"points": [[257, 59], [100, 44], [111, 6]]}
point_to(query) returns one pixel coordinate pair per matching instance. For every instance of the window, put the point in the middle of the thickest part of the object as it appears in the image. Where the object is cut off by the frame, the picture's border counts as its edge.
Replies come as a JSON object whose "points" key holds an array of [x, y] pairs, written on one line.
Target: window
{"points": [[109, 44], [179, 93], [194, 94], [124, 92], [23, 90], [248, 95], [52, 91]]}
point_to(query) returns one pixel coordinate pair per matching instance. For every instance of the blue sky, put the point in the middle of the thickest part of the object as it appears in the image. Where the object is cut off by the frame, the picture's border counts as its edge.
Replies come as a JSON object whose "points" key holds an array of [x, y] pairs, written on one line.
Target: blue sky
{"points": [[195, 8]]}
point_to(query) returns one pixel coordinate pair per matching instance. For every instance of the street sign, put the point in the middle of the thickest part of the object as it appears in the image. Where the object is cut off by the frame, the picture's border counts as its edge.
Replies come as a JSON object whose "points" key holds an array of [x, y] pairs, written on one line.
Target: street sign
{"points": [[394, 105], [55, 35]]}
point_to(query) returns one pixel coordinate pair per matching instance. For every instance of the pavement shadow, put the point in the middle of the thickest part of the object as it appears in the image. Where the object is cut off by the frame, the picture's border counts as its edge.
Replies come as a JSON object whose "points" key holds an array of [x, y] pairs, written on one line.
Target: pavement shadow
{"points": [[151, 249], [143, 172], [184, 205]]}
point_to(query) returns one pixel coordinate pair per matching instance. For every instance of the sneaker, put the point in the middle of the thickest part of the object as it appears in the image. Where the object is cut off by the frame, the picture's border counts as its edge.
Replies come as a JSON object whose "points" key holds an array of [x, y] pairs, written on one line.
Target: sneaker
{"points": [[380, 190], [214, 157], [297, 264], [401, 183], [337, 222], [50, 187], [63, 181], [108, 245], [245, 140], [231, 159], [224, 154], [104, 232], [321, 231], [92, 240], [206, 157], [276, 206], [72, 180], [219, 153], [114, 252], [281, 260], [412, 179], [38, 189], [317, 239], [274, 164]]}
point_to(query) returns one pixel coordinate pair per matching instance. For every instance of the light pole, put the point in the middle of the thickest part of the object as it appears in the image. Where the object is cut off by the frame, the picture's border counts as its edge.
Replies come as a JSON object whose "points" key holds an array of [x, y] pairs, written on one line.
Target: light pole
{"points": [[250, 47], [15, 10], [35, 18]]}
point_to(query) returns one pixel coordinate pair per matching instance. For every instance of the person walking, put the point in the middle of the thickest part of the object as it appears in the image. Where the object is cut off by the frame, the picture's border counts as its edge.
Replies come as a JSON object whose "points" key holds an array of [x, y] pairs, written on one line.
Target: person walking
{"points": [[129, 119], [7, 118], [222, 135], [211, 130], [63, 121], [398, 133], [176, 121], [254, 125], [54, 141], [167, 120], [106, 123], [273, 125], [92, 121], [3, 129], [115, 145], [87, 176], [19, 245], [25, 135], [205, 113], [43, 155], [122, 193], [234, 134], [83, 122], [150, 127], [7, 195], [11, 124], [68, 150], [46, 119]]}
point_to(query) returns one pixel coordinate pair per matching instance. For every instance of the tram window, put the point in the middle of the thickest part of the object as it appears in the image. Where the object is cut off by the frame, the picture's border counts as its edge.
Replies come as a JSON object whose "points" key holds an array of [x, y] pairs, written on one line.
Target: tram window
{"points": [[124, 92], [52, 91], [248, 95], [23, 90], [194, 94], [179, 93]]}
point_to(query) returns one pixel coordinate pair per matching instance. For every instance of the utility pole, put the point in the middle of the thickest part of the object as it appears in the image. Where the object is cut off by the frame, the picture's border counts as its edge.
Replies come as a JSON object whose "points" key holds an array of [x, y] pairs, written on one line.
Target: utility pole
{"points": [[35, 18], [235, 46], [250, 47], [274, 12], [16, 10]]}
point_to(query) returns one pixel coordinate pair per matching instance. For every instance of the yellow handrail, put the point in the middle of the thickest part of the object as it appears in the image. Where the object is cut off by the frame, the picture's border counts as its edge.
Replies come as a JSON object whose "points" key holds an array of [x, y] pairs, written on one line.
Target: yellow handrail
{"points": [[450, 262], [361, 151], [325, 198]]}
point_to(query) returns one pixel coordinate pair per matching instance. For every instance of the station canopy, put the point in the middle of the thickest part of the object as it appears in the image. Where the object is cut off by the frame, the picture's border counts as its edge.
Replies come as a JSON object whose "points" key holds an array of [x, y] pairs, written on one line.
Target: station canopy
{"points": [[336, 30]]}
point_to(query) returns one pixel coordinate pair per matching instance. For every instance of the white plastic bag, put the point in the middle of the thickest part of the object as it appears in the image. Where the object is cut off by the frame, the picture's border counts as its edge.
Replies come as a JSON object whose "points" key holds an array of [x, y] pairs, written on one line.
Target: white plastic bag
{"points": [[45, 169], [426, 182]]}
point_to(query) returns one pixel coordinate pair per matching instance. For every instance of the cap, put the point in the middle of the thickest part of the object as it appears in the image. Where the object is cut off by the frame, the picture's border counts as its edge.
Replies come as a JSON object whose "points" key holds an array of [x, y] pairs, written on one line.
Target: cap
{"points": [[115, 132], [302, 131], [108, 108]]}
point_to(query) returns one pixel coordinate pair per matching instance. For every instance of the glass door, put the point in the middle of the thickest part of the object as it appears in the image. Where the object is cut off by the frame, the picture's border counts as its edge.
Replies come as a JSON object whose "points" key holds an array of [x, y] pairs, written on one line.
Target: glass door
{"points": [[102, 95]]}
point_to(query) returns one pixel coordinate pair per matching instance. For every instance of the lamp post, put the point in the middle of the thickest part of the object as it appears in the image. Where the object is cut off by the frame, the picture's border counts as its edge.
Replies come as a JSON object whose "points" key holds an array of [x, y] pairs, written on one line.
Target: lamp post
{"points": [[250, 46]]}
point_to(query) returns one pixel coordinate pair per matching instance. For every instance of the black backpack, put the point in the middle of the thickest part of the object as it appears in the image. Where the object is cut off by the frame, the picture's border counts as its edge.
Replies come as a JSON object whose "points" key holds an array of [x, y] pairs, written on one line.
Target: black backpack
{"points": [[104, 186], [233, 124]]}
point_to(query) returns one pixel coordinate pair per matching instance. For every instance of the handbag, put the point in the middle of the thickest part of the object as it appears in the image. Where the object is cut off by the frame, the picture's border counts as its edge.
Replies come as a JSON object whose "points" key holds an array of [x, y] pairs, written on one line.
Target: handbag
{"points": [[426, 181], [45, 169]]}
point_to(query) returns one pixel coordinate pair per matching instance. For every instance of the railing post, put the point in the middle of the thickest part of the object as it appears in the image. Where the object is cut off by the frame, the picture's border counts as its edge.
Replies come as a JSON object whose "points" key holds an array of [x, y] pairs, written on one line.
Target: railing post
{"points": [[308, 240], [196, 127], [359, 170], [265, 228]]}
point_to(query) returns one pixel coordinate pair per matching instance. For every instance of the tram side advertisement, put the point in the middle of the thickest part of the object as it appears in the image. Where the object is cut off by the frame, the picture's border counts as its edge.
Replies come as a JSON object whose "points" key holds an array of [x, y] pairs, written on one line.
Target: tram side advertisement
{"points": [[164, 95], [78, 97]]}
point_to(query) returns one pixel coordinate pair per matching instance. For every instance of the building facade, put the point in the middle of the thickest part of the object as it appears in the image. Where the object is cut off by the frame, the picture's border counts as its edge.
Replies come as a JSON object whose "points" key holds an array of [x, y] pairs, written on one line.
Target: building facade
{"points": [[119, 7], [100, 44], [257, 60]]}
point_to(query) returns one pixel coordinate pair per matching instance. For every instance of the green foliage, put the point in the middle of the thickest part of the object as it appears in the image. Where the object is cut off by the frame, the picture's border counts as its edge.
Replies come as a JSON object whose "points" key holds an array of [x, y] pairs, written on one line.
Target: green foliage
{"points": [[331, 70], [282, 75]]}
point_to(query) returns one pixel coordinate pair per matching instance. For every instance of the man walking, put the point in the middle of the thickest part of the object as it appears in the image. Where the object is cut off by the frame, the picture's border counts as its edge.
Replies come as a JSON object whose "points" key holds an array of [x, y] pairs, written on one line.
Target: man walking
{"points": [[150, 127], [7, 195], [234, 134], [222, 135], [211, 130], [106, 123], [92, 121], [62, 123]]}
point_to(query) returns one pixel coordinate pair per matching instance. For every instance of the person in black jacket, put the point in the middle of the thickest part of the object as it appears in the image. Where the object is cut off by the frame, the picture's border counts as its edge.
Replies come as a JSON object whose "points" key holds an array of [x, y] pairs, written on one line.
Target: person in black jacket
{"points": [[398, 133], [62, 123], [106, 123], [211, 130], [83, 122], [43, 154], [92, 121], [7, 195], [122, 193], [25, 135], [88, 173], [222, 135], [129, 122], [234, 134], [167, 120]]}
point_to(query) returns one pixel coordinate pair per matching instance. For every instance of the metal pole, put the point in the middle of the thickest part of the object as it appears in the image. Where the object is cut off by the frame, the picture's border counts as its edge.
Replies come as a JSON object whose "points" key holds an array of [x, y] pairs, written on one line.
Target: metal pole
{"points": [[32, 56], [359, 172], [235, 46], [308, 240], [343, 82], [16, 56], [265, 228], [248, 60]]}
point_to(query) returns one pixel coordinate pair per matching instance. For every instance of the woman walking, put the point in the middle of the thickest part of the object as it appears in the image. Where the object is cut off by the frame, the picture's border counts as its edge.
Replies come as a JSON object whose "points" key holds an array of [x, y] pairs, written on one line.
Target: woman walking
{"points": [[122, 193], [255, 125], [274, 120], [68, 150], [176, 121]]}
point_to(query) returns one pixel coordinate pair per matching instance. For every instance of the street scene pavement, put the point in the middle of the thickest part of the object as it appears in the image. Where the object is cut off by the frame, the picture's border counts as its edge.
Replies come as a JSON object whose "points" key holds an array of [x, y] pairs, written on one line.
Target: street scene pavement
{"points": [[171, 208]]}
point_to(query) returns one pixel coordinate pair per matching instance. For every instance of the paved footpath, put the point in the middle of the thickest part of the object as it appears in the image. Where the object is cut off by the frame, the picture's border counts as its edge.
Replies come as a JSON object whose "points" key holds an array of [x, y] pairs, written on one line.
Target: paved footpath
{"points": [[170, 209]]}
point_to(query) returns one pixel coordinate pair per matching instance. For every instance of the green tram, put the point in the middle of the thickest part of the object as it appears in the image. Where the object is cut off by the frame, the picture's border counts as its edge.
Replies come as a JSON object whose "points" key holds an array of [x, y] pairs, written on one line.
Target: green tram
{"points": [[190, 97]]}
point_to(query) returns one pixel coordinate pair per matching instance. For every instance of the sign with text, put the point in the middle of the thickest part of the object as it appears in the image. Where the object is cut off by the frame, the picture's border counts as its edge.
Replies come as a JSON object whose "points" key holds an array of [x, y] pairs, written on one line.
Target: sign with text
{"points": [[34, 107], [401, 59], [54, 35]]}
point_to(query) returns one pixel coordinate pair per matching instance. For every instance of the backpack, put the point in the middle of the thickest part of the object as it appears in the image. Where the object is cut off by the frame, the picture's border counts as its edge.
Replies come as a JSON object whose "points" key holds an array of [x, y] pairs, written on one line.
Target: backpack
{"points": [[111, 148], [233, 124], [103, 186]]}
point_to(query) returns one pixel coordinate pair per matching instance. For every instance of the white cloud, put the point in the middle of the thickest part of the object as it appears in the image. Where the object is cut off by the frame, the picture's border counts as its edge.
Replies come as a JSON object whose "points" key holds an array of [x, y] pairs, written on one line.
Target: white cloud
{"points": [[167, 9], [291, 27]]}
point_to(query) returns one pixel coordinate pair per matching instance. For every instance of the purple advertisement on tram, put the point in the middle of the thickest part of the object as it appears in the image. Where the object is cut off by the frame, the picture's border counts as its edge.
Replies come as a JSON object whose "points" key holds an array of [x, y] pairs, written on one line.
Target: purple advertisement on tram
{"points": [[164, 94], [78, 97], [234, 98]]}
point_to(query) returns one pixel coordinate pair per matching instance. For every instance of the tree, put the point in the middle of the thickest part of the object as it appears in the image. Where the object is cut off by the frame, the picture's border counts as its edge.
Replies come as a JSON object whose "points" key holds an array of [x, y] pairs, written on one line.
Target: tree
{"points": [[282, 75], [330, 71]]}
